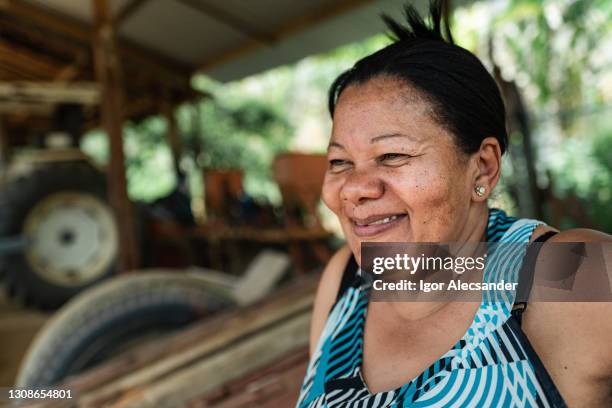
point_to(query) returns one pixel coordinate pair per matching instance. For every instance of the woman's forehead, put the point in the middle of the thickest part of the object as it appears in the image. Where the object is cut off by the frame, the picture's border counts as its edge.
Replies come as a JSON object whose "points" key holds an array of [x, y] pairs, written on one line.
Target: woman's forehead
{"points": [[388, 89], [381, 107]]}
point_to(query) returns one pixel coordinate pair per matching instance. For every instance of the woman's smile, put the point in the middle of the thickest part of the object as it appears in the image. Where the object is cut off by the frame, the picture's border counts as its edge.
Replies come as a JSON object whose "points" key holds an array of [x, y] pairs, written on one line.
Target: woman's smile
{"points": [[376, 224]]}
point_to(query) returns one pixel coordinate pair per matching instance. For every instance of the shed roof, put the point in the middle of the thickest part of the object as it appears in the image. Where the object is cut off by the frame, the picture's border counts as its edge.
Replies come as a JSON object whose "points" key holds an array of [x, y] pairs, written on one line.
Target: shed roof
{"points": [[230, 39], [162, 43]]}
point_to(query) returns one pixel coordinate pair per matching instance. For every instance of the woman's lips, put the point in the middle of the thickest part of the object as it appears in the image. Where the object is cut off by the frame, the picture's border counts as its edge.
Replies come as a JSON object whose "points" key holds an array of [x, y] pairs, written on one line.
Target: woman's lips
{"points": [[376, 224]]}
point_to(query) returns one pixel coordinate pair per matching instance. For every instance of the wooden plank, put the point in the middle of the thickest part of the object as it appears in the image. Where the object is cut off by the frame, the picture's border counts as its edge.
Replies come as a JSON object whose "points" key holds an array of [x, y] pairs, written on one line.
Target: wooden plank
{"points": [[108, 73], [207, 348], [25, 59], [9, 72], [277, 385], [262, 274], [207, 336], [206, 375], [44, 109], [86, 93]]}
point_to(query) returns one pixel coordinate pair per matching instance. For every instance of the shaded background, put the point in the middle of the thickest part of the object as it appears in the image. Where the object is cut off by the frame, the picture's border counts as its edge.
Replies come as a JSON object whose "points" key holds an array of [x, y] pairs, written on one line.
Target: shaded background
{"points": [[554, 59]]}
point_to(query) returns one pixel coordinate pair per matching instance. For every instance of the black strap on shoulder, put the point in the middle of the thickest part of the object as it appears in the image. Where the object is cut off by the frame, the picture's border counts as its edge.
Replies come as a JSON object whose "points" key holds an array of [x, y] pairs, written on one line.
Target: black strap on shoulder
{"points": [[553, 396], [526, 276], [348, 276]]}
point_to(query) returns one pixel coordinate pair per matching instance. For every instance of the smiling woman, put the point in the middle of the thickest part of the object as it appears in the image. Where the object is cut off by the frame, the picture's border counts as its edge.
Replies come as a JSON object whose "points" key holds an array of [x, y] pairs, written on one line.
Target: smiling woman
{"points": [[415, 153]]}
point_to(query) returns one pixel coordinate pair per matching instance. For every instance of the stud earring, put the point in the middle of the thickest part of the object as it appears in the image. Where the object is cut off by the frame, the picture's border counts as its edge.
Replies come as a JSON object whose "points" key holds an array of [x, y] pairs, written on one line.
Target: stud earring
{"points": [[480, 190]]}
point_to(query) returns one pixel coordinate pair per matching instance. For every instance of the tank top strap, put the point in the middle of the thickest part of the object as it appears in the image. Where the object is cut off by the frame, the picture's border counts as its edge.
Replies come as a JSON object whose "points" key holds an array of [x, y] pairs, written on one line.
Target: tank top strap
{"points": [[527, 274], [348, 276]]}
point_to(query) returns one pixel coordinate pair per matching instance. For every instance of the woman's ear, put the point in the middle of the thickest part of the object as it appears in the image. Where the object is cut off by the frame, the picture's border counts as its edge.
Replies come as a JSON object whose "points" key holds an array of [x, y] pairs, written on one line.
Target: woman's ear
{"points": [[488, 168]]}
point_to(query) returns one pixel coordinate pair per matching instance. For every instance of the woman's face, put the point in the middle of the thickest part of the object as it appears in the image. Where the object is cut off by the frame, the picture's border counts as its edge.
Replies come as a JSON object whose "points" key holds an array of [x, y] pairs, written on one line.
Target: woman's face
{"points": [[394, 174]]}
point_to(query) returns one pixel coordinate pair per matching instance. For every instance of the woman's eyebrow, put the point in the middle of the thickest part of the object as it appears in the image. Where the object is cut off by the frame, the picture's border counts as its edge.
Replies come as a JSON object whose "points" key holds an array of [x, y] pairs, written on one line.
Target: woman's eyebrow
{"points": [[335, 144], [390, 135]]}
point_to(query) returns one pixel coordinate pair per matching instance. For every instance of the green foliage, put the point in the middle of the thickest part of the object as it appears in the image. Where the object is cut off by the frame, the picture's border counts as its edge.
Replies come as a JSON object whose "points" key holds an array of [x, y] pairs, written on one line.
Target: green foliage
{"points": [[559, 54], [554, 50], [583, 167], [244, 134], [148, 160]]}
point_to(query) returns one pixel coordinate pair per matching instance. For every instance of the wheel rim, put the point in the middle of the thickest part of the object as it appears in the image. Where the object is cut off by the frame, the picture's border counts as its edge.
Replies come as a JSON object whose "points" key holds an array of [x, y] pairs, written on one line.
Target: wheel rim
{"points": [[74, 238]]}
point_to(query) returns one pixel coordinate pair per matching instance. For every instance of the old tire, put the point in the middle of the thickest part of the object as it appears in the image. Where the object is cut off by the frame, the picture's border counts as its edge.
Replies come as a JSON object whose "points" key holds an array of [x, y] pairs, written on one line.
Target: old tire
{"points": [[61, 208], [108, 318]]}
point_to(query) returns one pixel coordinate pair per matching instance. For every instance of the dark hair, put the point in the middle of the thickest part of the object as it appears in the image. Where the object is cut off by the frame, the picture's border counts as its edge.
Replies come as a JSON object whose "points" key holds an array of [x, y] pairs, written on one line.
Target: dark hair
{"points": [[464, 96]]}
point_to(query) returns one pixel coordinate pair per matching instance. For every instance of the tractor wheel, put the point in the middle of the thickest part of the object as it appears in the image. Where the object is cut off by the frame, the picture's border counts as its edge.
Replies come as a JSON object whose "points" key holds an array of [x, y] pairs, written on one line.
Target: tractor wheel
{"points": [[114, 316], [61, 209]]}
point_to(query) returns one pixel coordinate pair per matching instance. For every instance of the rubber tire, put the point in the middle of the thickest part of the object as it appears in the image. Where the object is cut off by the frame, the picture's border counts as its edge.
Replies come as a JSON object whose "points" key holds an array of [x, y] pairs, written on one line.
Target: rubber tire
{"points": [[17, 199], [123, 309]]}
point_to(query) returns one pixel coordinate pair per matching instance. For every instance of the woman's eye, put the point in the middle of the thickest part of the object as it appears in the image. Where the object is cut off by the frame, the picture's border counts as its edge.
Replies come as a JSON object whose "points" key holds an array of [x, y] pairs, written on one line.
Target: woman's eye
{"points": [[338, 164], [393, 158]]}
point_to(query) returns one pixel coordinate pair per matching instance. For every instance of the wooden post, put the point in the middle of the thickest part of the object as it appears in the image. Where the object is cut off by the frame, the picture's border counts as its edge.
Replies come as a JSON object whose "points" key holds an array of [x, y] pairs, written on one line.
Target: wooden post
{"points": [[172, 134], [3, 149], [108, 74]]}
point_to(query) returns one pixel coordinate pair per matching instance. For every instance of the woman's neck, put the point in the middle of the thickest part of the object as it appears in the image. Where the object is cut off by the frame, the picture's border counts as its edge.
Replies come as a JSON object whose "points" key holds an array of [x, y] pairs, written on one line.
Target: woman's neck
{"points": [[474, 231]]}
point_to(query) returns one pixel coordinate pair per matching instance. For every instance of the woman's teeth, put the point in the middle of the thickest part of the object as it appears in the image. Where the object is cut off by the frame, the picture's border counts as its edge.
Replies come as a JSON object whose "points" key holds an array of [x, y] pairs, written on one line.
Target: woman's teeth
{"points": [[378, 222], [385, 220]]}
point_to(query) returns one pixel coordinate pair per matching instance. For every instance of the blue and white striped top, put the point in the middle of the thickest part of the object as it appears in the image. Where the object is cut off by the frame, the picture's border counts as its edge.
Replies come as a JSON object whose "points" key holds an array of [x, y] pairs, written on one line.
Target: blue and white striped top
{"points": [[492, 365]]}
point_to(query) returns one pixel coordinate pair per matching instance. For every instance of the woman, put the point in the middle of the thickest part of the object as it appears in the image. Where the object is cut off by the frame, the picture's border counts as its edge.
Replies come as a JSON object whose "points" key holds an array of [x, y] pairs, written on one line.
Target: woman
{"points": [[415, 152]]}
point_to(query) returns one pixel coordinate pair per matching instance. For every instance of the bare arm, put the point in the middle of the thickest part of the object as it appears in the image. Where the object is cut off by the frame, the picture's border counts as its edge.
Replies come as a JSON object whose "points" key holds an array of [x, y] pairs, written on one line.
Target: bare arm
{"points": [[326, 293], [574, 339], [595, 318]]}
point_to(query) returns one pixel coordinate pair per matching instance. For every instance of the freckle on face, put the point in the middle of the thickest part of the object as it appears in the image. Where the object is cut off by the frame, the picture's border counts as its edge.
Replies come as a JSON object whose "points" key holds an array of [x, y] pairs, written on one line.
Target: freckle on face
{"points": [[426, 187]]}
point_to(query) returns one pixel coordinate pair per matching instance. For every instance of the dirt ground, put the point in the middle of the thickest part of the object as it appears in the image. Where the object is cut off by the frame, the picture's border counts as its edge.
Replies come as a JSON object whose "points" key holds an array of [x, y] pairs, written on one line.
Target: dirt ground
{"points": [[18, 326]]}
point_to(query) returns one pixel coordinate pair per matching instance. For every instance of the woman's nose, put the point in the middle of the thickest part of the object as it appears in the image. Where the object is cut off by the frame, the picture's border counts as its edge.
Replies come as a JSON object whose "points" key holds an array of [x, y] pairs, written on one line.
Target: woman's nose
{"points": [[360, 186]]}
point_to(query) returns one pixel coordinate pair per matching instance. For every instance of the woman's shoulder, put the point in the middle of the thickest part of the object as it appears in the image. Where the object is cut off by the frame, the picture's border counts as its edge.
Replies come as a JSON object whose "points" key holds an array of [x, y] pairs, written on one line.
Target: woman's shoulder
{"points": [[549, 322], [582, 235], [571, 235]]}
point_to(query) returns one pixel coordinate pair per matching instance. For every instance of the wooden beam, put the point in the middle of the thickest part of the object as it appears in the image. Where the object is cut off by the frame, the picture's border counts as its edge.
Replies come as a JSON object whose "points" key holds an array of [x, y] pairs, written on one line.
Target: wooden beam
{"points": [[164, 66], [86, 93], [69, 72], [44, 40], [27, 60], [128, 11], [172, 135], [3, 148], [292, 27], [73, 70], [10, 107], [46, 18], [229, 20], [10, 73], [108, 71]]}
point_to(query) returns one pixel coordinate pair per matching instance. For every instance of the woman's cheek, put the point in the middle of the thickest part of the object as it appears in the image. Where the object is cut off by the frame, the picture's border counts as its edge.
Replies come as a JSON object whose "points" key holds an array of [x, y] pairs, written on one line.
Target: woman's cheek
{"points": [[330, 193], [433, 182]]}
